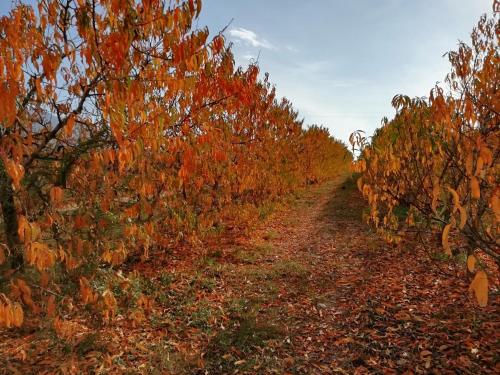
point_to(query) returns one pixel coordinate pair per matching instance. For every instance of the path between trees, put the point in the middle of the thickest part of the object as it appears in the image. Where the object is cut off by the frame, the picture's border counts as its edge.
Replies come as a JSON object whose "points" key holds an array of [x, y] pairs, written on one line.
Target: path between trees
{"points": [[311, 291], [347, 302]]}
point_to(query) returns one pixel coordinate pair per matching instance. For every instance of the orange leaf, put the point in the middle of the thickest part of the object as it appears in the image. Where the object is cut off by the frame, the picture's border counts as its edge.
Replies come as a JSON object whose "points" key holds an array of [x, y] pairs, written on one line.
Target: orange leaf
{"points": [[15, 172], [471, 263], [495, 203], [480, 288], [11, 314], [468, 163], [486, 155], [51, 306], [2, 254], [444, 239], [18, 315], [68, 130], [474, 185], [456, 199], [463, 217], [479, 165], [24, 229], [56, 194]]}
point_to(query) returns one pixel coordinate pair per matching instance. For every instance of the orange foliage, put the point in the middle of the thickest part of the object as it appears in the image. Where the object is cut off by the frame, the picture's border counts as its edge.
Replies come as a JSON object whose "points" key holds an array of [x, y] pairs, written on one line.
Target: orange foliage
{"points": [[434, 167], [124, 130]]}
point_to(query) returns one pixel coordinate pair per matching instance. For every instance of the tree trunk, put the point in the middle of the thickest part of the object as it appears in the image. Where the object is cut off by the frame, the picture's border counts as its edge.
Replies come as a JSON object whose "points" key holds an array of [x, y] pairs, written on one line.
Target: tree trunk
{"points": [[10, 218]]}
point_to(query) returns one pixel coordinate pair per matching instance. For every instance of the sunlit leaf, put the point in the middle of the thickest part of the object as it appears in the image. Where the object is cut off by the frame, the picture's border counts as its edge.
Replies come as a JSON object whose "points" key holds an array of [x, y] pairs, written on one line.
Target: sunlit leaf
{"points": [[479, 286]]}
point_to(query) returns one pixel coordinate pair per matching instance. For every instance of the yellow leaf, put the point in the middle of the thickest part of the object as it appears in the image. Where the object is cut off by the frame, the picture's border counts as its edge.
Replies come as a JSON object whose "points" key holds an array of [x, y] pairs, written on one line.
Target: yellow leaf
{"points": [[480, 288], [444, 239], [471, 263]]}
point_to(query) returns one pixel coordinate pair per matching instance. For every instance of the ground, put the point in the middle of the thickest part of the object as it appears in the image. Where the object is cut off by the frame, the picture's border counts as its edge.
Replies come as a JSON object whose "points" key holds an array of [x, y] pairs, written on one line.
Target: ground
{"points": [[311, 290]]}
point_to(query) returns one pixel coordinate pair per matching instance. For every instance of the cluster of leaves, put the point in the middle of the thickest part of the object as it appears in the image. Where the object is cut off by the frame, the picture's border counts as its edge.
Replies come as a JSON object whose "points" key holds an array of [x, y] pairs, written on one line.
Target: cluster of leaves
{"points": [[124, 129], [434, 167]]}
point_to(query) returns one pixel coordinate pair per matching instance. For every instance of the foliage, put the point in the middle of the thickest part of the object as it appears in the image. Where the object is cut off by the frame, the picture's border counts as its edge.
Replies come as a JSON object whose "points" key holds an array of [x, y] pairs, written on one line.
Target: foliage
{"points": [[438, 157], [125, 130]]}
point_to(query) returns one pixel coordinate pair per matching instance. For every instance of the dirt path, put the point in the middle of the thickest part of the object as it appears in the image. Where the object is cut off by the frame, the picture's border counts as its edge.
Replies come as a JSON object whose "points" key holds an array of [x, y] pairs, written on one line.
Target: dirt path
{"points": [[338, 299], [313, 291]]}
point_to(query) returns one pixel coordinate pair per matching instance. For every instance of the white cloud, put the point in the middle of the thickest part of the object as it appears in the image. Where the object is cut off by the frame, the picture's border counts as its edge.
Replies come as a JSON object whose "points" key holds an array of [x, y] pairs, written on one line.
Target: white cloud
{"points": [[292, 49], [250, 38]]}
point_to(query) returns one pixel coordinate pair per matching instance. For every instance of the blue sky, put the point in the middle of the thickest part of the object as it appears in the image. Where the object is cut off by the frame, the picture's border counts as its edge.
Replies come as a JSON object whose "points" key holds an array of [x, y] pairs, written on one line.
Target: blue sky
{"points": [[340, 62]]}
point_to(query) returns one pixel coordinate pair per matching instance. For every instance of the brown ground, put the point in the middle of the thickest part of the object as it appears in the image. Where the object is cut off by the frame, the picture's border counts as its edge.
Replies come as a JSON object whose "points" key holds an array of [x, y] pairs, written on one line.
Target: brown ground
{"points": [[312, 291]]}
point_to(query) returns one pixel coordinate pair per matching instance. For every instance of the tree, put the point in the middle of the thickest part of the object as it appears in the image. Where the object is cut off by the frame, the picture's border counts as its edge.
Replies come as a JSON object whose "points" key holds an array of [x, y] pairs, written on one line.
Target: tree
{"points": [[125, 130], [437, 159]]}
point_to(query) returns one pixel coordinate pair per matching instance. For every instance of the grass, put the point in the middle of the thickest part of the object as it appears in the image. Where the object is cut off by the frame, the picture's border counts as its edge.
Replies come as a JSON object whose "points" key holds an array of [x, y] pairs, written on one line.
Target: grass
{"points": [[90, 342], [166, 279], [242, 346], [341, 206], [202, 316], [245, 335], [266, 209], [289, 269], [283, 269], [252, 255]]}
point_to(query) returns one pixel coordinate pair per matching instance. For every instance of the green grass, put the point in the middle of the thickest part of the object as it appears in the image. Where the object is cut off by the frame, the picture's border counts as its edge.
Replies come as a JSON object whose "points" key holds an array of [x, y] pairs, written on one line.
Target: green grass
{"points": [[289, 269], [203, 316], [252, 255], [242, 345], [266, 209], [342, 205], [166, 279]]}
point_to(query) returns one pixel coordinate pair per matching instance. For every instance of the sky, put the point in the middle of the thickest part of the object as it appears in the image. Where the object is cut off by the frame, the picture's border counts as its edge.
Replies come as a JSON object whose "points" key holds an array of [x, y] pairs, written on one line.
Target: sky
{"points": [[340, 62]]}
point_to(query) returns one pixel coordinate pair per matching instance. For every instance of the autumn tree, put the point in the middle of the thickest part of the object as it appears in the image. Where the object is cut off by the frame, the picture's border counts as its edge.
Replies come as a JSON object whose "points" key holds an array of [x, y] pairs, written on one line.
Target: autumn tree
{"points": [[125, 130], [434, 167]]}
